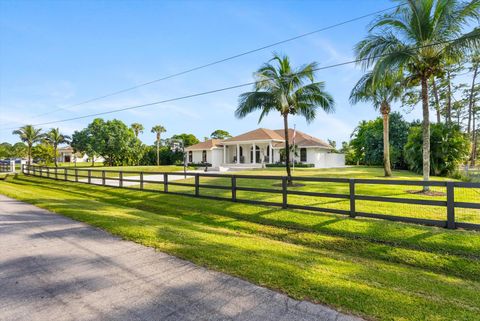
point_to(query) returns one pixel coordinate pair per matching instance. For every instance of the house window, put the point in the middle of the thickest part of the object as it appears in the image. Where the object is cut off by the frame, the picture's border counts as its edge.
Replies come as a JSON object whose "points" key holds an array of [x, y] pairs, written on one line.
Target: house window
{"points": [[303, 154], [190, 157], [204, 156]]}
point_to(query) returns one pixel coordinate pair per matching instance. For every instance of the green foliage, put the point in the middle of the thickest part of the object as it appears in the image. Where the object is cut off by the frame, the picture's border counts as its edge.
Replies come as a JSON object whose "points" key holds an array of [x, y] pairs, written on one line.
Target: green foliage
{"points": [[44, 153], [297, 165], [449, 147], [351, 157], [220, 134], [166, 154], [112, 140], [188, 139], [367, 145]]}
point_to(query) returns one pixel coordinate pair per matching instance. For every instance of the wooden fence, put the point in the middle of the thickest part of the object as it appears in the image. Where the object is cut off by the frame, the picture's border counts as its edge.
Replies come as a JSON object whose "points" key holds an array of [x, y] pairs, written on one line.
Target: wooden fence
{"points": [[121, 180]]}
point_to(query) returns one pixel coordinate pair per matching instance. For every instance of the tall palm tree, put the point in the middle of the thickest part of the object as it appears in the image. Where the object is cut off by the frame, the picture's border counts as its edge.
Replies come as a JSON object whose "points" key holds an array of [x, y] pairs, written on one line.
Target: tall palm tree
{"points": [[158, 130], [288, 91], [418, 37], [137, 128], [29, 135], [55, 138], [381, 92]]}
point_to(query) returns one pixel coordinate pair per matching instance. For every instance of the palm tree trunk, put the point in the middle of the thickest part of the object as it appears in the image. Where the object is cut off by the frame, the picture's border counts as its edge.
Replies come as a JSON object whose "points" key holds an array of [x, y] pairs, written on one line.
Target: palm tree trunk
{"points": [[29, 150], [471, 117], [426, 133], [55, 155], [473, 155], [386, 140], [287, 149], [158, 152], [437, 100], [449, 98]]}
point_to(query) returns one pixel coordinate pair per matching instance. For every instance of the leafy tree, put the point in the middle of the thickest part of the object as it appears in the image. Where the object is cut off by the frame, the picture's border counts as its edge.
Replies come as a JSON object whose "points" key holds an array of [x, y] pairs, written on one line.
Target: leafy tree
{"points": [[220, 134], [418, 38], [351, 158], [83, 142], [367, 143], [29, 135], [188, 139], [137, 128], [5, 150], [289, 91], [19, 150], [449, 148], [381, 92], [113, 140], [55, 138], [158, 130], [43, 153]]}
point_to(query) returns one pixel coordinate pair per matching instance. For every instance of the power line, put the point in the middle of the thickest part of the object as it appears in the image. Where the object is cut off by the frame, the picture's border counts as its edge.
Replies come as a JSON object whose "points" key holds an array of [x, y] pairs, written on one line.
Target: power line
{"points": [[219, 61], [204, 93]]}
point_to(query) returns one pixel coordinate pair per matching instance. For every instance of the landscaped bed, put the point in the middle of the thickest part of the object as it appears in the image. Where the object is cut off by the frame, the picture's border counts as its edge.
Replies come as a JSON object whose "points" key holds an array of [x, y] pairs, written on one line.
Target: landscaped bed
{"points": [[376, 269]]}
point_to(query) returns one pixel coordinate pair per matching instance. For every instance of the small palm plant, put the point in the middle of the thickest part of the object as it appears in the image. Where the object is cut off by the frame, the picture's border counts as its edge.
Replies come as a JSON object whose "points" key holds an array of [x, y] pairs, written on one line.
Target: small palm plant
{"points": [[137, 128], [381, 92], [54, 137], [158, 130], [288, 91], [29, 135]]}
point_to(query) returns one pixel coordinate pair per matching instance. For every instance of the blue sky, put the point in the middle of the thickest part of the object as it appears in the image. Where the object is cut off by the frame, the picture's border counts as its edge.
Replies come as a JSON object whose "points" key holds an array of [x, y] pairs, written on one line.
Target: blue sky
{"points": [[54, 54]]}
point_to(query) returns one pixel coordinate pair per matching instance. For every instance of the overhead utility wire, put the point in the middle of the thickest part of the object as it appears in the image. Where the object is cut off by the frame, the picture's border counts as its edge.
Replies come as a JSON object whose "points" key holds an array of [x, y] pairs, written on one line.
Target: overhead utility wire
{"points": [[220, 89], [216, 62]]}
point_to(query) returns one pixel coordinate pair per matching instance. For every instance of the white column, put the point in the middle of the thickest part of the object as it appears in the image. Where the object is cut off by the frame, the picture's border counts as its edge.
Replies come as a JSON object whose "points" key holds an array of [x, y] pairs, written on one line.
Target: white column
{"points": [[270, 153], [238, 154], [224, 154], [254, 154]]}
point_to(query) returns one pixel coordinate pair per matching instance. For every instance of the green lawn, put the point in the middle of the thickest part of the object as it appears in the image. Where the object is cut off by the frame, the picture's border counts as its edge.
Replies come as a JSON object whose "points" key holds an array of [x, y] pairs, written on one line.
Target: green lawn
{"points": [[112, 171], [376, 269], [395, 191]]}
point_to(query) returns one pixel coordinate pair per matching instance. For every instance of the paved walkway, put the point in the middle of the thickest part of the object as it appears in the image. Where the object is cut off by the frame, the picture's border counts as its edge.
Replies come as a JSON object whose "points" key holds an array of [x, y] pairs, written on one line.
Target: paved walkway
{"points": [[53, 268]]}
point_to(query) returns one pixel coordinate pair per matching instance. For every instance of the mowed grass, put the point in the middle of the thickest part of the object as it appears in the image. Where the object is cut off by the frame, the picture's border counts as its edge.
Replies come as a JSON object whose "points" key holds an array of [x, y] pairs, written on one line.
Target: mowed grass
{"points": [[376, 269], [395, 191], [113, 171]]}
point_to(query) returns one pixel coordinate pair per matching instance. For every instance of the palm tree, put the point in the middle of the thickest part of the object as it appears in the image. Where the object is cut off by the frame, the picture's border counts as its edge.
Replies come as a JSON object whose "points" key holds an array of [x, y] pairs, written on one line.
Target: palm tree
{"points": [[381, 92], [158, 130], [55, 138], [29, 135], [417, 38], [137, 128], [286, 90]]}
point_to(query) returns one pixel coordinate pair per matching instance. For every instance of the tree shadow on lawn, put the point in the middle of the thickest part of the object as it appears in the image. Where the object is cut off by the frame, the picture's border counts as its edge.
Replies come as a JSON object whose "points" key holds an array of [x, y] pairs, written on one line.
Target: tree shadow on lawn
{"points": [[396, 234], [139, 219], [302, 272]]}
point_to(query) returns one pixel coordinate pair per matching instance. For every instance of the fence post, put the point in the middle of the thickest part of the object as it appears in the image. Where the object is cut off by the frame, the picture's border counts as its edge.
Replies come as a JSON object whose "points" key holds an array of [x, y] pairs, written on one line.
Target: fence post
{"points": [[56, 173], [41, 171], [352, 197], [89, 176], [165, 183], [33, 171], [141, 180], [451, 205], [197, 185], [284, 192], [76, 175], [48, 172], [120, 179], [234, 188], [103, 178], [22, 166], [65, 174]]}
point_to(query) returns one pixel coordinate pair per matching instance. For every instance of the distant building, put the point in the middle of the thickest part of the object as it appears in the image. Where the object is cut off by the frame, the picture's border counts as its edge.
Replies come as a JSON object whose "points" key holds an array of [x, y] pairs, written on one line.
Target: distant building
{"points": [[263, 146], [66, 155]]}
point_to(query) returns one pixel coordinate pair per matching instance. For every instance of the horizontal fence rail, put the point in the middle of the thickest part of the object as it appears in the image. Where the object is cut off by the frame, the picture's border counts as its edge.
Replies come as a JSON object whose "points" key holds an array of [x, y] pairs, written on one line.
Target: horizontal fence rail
{"points": [[117, 178]]}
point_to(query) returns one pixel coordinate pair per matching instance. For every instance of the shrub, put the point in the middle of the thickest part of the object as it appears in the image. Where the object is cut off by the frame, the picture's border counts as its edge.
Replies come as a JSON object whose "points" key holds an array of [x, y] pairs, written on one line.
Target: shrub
{"points": [[449, 147], [199, 165], [297, 165]]}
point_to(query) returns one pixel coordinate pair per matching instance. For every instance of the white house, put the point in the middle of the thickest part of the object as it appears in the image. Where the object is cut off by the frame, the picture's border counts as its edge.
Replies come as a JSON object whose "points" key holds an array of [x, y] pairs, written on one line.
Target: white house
{"points": [[66, 155], [263, 146]]}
